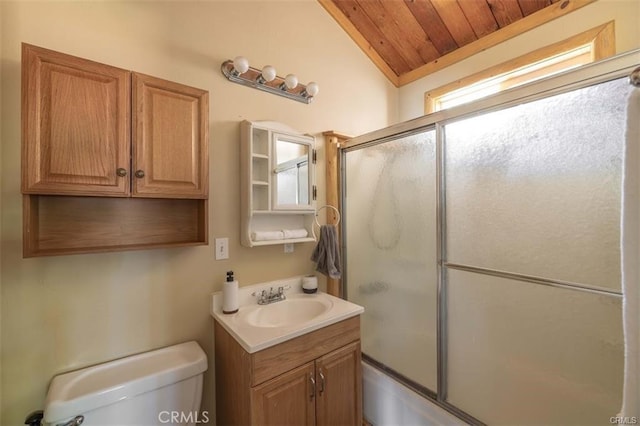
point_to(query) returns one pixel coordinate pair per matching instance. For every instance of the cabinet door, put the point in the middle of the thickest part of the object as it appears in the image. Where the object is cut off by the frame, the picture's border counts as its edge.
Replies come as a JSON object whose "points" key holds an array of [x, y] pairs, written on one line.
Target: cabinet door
{"points": [[293, 171], [339, 376], [76, 131], [170, 139], [287, 400]]}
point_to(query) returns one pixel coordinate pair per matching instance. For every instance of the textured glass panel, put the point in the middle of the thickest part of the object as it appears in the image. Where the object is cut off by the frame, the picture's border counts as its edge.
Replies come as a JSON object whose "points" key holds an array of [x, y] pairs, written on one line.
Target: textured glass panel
{"points": [[288, 187], [303, 186], [391, 252], [528, 354], [535, 188]]}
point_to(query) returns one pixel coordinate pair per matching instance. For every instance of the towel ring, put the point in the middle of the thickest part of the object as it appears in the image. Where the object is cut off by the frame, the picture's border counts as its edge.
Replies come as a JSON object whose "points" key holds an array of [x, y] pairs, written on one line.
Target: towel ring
{"points": [[313, 229], [329, 207]]}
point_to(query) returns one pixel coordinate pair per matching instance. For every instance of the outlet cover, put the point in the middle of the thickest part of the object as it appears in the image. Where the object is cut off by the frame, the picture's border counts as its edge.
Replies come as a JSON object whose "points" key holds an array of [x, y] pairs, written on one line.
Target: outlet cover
{"points": [[288, 247]]}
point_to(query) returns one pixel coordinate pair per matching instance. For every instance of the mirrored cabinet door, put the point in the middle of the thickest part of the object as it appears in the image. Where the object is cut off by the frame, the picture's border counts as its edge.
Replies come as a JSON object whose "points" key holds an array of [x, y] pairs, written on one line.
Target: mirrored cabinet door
{"points": [[292, 186]]}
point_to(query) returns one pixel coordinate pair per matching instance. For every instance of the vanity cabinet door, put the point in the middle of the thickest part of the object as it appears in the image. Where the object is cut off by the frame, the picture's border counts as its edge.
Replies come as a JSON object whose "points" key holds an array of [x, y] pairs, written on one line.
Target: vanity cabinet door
{"points": [[76, 132], [170, 139], [287, 400], [339, 387]]}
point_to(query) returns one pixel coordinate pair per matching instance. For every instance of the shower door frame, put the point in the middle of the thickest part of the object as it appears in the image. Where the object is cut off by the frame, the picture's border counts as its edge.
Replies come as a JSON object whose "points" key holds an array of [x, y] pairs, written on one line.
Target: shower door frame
{"points": [[599, 72]]}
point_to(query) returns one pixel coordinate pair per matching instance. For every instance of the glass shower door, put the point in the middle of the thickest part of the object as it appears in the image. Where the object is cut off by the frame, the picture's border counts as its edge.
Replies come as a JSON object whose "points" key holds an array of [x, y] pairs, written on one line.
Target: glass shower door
{"points": [[533, 259], [390, 237], [484, 244]]}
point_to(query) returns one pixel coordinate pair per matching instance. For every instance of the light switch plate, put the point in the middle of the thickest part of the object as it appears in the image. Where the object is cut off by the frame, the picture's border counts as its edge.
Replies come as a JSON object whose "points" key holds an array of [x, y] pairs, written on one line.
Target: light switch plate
{"points": [[222, 248], [288, 247]]}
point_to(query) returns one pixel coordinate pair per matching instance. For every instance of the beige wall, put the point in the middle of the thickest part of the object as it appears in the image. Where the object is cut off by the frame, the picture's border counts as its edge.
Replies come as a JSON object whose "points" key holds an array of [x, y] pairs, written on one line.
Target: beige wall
{"points": [[626, 14], [66, 312]]}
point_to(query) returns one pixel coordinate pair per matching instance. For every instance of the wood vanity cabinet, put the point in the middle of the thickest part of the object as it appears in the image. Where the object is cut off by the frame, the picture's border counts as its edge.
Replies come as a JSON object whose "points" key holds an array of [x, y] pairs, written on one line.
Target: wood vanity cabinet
{"points": [[92, 131], [314, 379]]}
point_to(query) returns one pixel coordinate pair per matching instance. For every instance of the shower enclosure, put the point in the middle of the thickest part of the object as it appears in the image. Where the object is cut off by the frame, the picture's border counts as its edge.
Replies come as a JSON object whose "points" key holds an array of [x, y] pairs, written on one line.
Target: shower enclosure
{"points": [[483, 243]]}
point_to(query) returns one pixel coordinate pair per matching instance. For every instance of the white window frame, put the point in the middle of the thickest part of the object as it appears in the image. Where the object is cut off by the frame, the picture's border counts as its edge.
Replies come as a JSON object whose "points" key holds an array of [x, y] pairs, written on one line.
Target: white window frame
{"points": [[589, 46]]}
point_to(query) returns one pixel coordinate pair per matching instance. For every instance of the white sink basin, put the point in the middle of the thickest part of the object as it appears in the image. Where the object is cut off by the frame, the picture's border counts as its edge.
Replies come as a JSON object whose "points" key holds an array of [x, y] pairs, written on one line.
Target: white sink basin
{"points": [[256, 327], [293, 310]]}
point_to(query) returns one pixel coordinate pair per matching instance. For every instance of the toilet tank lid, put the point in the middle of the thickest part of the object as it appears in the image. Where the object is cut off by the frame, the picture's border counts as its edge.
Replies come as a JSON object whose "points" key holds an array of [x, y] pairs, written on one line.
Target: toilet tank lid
{"points": [[77, 392]]}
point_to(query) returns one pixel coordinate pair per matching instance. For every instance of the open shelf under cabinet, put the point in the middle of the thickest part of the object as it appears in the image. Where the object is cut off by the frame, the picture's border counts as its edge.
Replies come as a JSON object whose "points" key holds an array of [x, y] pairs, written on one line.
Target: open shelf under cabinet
{"points": [[56, 225]]}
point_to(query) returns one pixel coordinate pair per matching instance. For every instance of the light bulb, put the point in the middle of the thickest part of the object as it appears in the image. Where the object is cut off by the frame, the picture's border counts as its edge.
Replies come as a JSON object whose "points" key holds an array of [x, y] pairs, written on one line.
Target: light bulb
{"points": [[291, 81], [240, 64], [312, 89], [268, 73]]}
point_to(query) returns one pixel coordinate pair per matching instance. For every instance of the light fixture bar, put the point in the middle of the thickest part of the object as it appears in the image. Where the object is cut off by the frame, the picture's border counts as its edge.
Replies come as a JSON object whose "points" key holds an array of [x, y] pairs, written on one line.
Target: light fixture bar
{"points": [[252, 77]]}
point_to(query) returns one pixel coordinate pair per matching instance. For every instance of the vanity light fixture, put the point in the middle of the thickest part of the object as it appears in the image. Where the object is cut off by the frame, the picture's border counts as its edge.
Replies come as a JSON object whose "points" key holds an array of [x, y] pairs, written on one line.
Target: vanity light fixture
{"points": [[239, 71]]}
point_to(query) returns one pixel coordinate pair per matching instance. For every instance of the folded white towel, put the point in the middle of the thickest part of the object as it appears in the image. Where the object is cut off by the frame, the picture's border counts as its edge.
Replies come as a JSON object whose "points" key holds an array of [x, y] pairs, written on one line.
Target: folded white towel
{"points": [[290, 234], [267, 235]]}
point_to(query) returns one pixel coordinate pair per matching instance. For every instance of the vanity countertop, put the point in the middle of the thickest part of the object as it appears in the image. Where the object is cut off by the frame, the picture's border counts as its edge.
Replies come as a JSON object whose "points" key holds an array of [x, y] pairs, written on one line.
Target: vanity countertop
{"points": [[256, 327]]}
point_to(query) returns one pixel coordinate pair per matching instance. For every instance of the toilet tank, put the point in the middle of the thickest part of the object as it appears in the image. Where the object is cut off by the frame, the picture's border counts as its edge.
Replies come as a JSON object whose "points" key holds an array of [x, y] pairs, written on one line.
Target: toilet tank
{"points": [[163, 386]]}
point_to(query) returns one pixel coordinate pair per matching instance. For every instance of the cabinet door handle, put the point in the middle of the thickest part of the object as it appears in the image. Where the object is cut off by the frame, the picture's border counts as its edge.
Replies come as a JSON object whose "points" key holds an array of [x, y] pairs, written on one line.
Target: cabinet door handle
{"points": [[321, 382], [139, 173], [313, 386], [121, 172]]}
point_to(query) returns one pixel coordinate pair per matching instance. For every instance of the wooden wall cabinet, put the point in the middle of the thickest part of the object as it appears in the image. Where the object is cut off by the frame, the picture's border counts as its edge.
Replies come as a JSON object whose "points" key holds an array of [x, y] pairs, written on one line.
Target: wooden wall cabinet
{"points": [[91, 131], [314, 379]]}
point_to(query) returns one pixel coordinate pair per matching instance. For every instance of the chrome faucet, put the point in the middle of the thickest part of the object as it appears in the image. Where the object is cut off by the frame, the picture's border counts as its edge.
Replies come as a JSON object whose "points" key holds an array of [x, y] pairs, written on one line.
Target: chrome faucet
{"points": [[272, 296]]}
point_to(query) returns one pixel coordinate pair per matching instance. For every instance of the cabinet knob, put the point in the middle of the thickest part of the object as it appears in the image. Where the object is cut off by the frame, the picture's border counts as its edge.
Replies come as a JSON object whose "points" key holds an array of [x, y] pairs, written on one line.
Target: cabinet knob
{"points": [[139, 174], [121, 172]]}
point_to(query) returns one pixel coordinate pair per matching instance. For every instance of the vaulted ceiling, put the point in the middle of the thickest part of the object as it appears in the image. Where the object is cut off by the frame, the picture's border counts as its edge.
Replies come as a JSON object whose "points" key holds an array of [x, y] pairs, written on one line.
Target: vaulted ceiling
{"points": [[408, 39]]}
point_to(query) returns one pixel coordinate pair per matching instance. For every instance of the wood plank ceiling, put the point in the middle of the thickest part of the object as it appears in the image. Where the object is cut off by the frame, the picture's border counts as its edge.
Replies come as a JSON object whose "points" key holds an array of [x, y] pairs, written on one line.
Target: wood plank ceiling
{"points": [[404, 37]]}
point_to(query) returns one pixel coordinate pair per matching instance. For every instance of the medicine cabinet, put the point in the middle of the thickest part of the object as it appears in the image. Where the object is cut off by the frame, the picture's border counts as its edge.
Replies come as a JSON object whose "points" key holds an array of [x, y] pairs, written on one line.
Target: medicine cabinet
{"points": [[277, 184]]}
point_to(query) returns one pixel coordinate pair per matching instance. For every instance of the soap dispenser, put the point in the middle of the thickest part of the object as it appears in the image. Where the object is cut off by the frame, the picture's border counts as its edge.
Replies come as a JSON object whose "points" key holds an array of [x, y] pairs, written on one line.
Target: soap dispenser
{"points": [[230, 295]]}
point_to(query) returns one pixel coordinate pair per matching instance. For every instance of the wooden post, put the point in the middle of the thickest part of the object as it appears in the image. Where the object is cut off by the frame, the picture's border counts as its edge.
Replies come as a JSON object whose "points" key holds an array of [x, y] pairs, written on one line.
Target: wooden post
{"points": [[332, 166]]}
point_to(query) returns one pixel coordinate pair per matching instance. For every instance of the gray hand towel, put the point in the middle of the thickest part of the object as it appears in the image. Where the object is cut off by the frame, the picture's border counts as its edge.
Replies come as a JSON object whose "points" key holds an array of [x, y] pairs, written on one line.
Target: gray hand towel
{"points": [[326, 254]]}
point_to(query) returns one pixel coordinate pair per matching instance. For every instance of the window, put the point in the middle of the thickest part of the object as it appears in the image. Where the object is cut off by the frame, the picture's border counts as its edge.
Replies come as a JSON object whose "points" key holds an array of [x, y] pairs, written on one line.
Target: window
{"points": [[592, 45]]}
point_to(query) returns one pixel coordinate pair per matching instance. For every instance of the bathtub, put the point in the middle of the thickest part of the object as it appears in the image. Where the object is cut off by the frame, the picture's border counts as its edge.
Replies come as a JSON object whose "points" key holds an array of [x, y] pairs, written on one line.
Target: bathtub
{"points": [[387, 402]]}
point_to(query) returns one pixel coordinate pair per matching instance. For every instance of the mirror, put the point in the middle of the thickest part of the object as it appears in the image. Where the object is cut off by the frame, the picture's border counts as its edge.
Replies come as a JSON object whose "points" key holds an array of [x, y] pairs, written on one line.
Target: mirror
{"points": [[292, 183]]}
